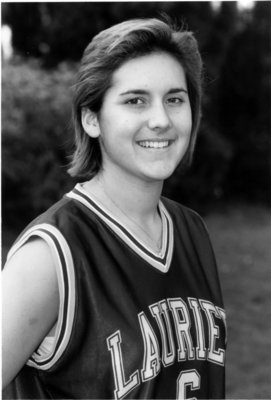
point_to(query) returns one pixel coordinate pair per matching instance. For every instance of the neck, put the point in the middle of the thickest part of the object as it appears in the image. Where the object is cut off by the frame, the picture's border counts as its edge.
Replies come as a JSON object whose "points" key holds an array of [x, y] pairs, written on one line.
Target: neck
{"points": [[133, 203], [136, 198]]}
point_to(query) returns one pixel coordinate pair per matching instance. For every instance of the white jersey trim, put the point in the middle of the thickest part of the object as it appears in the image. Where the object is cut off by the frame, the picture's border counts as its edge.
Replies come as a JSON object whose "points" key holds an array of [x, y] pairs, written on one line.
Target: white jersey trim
{"points": [[160, 261], [41, 359]]}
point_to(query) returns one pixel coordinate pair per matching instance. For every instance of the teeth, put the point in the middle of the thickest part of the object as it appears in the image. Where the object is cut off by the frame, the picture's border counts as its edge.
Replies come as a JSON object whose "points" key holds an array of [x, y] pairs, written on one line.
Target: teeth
{"points": [[154, 145]]}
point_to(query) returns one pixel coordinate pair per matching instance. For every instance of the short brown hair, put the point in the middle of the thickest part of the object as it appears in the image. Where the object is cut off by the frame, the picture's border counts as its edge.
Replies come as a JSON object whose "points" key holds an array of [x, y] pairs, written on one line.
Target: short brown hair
{"points": [[108, 51]]}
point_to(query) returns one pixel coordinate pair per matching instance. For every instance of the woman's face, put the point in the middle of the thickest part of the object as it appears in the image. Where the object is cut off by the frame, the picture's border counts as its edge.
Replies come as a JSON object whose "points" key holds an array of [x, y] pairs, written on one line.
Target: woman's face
{"points": [[145, 121]]}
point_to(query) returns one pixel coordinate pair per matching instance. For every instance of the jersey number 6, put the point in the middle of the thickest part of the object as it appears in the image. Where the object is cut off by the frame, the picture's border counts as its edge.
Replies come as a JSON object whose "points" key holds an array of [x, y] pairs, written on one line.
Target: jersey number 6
{"points": [[189, 378]]}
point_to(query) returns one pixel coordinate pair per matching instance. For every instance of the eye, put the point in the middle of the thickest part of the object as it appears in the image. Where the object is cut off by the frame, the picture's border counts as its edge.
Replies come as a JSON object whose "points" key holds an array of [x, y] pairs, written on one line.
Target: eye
{"points": [[135, 101], [175, 100]]}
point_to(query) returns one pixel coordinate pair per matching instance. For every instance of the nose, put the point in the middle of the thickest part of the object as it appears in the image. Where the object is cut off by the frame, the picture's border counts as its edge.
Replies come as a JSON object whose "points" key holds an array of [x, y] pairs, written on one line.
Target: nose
{"points": [[159, 118]]}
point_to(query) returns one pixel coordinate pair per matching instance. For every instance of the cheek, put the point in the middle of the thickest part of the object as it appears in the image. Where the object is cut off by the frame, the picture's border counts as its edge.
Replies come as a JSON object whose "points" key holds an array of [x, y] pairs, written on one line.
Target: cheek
{"points": [[112, 137], [183, 123], [117, 127], [187, 120]]}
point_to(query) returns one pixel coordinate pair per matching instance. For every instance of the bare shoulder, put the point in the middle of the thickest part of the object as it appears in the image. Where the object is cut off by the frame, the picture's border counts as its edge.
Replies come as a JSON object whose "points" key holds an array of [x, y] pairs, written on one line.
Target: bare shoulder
{"points": [[30, 303], [34, 257]]}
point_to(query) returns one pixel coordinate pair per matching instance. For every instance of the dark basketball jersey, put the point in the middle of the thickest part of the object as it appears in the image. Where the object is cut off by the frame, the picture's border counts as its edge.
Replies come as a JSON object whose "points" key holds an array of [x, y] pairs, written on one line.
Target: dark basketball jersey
{"points": [[131, 323]]}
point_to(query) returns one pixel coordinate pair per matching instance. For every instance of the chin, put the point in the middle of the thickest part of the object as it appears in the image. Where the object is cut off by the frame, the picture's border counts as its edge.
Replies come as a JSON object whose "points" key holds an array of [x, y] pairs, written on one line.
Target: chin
{"points": [[160, 175]]}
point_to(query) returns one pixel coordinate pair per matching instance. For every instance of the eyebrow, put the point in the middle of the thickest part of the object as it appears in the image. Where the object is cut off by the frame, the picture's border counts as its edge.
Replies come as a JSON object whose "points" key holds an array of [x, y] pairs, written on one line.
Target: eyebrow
{"points": [[142, 91]]}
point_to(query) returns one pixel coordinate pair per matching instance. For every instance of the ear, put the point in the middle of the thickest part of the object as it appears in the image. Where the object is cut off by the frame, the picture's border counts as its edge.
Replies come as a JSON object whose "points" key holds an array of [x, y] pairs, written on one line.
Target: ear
{"points": [[90, 122]]}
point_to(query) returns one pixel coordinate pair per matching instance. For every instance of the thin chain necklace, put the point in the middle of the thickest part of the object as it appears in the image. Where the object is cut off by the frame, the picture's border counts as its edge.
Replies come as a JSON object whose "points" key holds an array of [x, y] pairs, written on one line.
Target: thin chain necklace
{"points": [[156, 244]]}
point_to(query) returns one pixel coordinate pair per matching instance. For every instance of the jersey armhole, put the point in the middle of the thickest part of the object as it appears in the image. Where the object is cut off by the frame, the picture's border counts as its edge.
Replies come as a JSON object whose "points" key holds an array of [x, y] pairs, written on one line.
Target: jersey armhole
{"points": [[63, 261]]}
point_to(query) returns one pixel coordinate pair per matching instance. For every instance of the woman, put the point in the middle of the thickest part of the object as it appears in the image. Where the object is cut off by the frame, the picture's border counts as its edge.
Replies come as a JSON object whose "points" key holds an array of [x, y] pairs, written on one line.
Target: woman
{"points": [[115, 292]]}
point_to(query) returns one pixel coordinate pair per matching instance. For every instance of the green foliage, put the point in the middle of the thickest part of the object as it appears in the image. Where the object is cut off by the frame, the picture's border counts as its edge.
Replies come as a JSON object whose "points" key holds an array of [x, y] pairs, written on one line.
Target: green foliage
{"points": [[244, 107], [35, 124], [59, 31]]}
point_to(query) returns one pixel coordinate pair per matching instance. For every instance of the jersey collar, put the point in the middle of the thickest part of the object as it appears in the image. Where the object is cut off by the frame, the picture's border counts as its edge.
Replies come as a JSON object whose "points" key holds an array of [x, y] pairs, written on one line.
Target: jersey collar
{"points": [[160, 260]]}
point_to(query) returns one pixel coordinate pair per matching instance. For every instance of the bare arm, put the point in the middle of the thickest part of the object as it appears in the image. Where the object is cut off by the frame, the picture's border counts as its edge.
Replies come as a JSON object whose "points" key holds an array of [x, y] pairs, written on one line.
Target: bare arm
{"points": [[30, 301]]}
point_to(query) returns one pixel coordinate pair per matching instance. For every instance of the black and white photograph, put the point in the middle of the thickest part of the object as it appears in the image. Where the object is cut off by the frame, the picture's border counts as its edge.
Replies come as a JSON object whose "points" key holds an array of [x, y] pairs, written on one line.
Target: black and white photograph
{"points": [[136, 199]]}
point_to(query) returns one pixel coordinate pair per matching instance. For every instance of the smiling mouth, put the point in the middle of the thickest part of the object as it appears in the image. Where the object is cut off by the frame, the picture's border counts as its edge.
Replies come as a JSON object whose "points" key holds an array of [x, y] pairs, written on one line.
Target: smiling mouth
{"points": [[153, 144]]}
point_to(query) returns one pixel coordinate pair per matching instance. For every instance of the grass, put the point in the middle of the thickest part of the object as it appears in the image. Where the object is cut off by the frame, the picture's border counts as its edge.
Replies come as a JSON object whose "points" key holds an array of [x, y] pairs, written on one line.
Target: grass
{"points": [[242, 241], [241, 238]]}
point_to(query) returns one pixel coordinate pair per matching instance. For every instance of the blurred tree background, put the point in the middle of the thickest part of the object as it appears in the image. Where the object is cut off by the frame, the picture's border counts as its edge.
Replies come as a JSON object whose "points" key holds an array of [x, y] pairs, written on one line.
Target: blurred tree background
{"points": [[230, 179], [232, 157]]}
